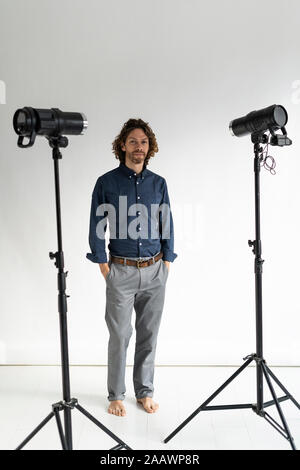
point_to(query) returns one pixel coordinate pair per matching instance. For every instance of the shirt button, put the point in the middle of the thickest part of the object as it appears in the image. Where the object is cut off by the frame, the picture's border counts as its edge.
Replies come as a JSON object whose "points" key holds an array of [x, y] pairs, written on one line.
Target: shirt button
{"points": [[130, 176], [134, 174], [140, 243], [138, 212], [139, 228], [139, 197], [137, 182]]}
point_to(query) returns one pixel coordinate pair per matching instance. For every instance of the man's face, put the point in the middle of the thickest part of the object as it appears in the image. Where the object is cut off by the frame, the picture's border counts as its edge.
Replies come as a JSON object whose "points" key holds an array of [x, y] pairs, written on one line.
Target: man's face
{"points": [[136, 146]]}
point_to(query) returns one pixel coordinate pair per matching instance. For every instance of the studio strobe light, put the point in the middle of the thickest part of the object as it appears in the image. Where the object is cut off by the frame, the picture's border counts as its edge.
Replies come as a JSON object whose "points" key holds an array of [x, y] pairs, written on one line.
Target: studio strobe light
{"points": [[52, 124], [273, 117], [257, 123], [30, 122]]}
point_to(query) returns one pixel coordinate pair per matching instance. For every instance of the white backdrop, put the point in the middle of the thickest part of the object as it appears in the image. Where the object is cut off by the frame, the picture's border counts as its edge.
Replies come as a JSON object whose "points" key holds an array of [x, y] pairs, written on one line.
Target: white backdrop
{"points": [[187, 67]]}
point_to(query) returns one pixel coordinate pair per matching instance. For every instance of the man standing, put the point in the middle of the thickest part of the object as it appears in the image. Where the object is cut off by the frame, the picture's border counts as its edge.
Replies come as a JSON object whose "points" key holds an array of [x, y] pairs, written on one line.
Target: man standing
{"points": [[141, 246]]}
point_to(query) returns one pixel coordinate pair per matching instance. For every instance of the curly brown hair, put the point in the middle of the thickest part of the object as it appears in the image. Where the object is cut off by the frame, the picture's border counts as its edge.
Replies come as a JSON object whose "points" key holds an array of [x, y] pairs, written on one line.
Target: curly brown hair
{"points": [[129, 126]]}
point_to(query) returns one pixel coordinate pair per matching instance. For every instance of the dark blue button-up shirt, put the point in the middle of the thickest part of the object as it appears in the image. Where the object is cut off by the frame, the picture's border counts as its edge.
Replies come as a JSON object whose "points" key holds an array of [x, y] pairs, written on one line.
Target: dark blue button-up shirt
{"points": [[138, 229]]}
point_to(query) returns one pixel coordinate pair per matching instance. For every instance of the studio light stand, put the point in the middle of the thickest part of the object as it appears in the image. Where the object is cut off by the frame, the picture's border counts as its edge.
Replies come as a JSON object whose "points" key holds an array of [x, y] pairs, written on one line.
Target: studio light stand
{"points": [[68, 403], [262, 370]]}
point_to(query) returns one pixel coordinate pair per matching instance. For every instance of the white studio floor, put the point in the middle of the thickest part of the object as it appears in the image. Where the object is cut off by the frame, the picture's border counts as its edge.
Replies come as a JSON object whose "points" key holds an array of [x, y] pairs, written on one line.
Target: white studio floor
{"points": [[27, 393]]}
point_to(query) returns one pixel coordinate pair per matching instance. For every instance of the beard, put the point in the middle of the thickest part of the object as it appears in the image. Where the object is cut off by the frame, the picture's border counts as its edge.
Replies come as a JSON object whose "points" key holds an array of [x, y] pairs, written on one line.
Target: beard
{"points": [[137, 158]]}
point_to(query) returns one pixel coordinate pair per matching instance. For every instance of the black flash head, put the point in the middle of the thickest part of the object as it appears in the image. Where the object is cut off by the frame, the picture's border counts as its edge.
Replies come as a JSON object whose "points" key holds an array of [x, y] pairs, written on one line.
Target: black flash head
{"points": [[255, 123], [273, 117], [30, 122]]}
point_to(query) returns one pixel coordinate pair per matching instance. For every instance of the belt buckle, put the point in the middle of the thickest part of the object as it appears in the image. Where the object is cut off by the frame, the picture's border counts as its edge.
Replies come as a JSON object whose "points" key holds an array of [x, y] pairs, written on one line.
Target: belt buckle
{"points": [[138, 261]]}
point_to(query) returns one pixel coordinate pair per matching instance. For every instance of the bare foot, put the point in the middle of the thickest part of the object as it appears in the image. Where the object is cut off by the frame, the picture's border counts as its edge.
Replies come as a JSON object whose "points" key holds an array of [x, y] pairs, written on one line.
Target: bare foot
{"points": [[149, 405], [117, 408]]}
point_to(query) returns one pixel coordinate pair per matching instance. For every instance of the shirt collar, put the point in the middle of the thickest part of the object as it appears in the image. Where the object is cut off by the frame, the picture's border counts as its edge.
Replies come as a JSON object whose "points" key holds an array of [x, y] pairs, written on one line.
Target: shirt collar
{"points": [[129, 172]]}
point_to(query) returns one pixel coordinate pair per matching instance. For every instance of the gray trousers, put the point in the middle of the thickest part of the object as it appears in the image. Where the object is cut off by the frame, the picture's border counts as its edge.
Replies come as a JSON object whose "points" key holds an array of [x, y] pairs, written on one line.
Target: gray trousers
{"points": [[143, 289]]}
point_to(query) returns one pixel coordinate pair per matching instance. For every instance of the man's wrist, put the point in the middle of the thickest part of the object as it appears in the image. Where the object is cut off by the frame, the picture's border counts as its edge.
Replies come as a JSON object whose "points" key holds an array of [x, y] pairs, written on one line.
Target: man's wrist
{"points": [[103, 267], [167, 263]]}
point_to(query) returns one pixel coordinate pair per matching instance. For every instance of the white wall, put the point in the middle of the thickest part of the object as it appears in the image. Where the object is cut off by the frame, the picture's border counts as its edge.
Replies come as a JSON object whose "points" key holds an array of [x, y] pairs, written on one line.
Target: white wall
{"points": [[187, 67]]}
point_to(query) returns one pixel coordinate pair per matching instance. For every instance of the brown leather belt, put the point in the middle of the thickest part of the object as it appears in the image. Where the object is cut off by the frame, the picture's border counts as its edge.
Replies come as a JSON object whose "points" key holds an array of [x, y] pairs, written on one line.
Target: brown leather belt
{"points": [[137, 263]]}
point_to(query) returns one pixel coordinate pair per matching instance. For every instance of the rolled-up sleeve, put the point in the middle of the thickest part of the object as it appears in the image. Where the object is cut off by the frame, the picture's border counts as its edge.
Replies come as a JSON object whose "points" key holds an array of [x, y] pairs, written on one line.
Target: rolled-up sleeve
{"points": [[97, 244], [167, 227]]}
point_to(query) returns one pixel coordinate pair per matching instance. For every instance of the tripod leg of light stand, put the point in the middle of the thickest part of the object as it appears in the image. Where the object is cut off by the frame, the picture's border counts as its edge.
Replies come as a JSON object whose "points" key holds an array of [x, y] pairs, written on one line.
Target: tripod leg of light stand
{"points": [[62, 305], [288, 435], [203, 406], [121, 444], [35, 431], [60, 430], [289, 396]]}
